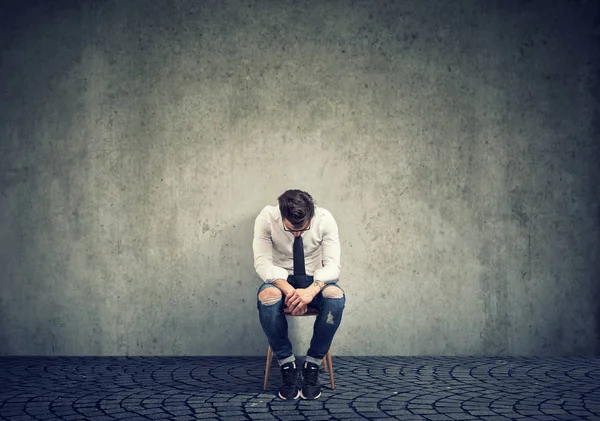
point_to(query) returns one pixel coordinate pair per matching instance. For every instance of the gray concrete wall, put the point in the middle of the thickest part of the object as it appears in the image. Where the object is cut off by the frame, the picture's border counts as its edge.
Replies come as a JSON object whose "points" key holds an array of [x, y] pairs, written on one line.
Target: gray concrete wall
{"points": [[454, 142]]}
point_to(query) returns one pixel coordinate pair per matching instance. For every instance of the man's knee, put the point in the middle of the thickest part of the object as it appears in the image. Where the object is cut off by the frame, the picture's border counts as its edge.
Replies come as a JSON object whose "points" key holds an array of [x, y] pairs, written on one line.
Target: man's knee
{"points": [[333, 291], [270, 296]]}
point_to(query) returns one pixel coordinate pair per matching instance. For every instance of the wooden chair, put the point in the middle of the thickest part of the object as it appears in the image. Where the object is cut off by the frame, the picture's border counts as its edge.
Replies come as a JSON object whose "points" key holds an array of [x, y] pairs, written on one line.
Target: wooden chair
{"points": [[327, 364]]}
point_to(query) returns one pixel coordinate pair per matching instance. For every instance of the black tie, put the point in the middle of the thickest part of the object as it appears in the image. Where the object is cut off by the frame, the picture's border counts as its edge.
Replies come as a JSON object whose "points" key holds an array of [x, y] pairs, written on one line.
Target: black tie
{"points": [[299, 269]]}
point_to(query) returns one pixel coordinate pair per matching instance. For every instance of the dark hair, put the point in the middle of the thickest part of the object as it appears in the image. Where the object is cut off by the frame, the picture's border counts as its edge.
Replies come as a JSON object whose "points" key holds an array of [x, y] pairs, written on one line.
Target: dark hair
{"points": [[297, 207]]}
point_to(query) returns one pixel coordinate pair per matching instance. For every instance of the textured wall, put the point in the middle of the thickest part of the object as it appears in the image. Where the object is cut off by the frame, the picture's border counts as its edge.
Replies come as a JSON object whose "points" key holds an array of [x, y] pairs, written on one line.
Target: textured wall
{"points": [[454, 142]]}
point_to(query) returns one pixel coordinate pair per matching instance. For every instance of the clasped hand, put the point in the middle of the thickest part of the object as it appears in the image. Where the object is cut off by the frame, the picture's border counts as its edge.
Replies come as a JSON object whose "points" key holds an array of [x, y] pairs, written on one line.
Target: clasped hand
{"points": [[297, 301]]}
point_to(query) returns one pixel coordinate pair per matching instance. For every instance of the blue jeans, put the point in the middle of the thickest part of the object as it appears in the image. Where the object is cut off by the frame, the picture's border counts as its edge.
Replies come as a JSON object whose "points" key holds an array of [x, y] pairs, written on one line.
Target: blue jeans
{"points": [[274, 322]]}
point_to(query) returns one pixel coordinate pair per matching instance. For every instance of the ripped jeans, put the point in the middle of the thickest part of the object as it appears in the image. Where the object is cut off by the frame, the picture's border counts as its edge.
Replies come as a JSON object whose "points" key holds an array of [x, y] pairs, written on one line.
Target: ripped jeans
{"points": [[275, 326]]}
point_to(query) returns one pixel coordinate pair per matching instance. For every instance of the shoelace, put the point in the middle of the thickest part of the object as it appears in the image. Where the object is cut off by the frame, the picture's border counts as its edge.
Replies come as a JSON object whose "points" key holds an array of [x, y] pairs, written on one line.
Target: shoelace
{"points": [[289, 375], [311, 375]]}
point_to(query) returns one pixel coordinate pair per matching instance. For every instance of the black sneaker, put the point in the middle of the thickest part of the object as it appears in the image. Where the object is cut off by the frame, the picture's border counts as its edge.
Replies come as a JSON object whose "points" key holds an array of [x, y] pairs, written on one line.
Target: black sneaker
{"points": [[289, 389], [311, 388]]}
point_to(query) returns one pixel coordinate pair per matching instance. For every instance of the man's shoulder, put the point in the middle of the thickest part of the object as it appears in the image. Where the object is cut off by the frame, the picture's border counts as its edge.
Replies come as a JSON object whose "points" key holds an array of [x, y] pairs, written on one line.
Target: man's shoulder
{"points": [[322, 212], [271, 212]]}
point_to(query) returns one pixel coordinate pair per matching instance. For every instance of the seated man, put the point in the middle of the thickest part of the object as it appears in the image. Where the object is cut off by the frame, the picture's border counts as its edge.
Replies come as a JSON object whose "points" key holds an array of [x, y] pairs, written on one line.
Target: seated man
{"points": [[297, 255]]}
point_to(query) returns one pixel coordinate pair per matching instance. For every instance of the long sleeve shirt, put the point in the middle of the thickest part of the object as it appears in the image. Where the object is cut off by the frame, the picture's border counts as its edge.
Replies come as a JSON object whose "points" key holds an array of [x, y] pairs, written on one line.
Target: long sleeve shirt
{"points": [[273, 247]]}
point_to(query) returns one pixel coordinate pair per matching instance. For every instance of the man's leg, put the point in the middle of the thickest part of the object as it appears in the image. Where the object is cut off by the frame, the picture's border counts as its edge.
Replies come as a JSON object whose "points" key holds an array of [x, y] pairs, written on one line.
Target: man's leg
{"points": [[331, 302], [270, 304]]}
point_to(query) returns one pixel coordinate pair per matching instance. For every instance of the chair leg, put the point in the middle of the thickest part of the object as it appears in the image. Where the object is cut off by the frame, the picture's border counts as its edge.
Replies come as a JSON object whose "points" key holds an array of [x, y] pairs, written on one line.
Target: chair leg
{"points": [[325, 363], [330, 366], [268, 366]]}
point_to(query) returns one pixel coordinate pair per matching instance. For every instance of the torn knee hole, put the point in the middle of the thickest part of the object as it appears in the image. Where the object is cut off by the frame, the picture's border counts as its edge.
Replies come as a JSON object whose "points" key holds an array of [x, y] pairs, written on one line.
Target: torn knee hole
{"points": [[270, 301], [270, 296], [333, 292]]}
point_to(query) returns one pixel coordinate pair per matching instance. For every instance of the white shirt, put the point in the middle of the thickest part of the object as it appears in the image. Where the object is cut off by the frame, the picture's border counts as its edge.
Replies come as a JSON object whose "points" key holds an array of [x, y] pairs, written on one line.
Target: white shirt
{"points": [[273, 247]]}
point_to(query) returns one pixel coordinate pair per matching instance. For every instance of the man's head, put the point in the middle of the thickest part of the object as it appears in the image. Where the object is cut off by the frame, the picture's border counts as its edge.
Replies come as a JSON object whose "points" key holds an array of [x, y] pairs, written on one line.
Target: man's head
{"points": [[297, 209]]}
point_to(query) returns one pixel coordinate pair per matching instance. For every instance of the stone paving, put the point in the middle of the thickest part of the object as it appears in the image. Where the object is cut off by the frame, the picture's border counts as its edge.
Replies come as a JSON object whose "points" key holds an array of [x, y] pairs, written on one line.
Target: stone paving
{"points": [[230, 388]]}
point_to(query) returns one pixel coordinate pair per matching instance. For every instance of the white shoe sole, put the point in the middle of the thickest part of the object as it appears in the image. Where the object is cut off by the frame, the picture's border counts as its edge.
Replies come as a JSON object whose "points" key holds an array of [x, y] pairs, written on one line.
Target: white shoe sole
{"points": [[294, 398]]}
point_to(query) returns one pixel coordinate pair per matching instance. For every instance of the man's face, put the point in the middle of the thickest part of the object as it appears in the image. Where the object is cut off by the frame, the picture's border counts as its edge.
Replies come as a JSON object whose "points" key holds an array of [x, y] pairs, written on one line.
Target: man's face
{"points": [[296, 231]]}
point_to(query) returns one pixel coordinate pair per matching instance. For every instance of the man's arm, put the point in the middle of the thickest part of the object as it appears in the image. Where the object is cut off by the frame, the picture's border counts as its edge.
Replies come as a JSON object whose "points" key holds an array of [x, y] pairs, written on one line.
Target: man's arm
{"points": [[330, 272], [262, 246], [284, 286], [316, 287]]}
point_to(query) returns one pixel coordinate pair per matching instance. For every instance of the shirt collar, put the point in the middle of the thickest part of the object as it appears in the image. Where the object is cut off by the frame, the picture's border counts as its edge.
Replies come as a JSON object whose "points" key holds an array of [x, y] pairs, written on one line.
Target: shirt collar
{"points": [[277, 216]]}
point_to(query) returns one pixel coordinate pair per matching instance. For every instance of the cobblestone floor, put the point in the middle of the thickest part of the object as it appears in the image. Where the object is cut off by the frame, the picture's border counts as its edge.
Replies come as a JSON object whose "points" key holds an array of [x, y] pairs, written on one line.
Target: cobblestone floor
{"points": [[402, 388]]}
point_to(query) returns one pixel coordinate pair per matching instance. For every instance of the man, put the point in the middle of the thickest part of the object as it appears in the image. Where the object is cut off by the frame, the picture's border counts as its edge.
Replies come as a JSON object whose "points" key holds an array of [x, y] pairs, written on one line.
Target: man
{"points": [[297, 255]]}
